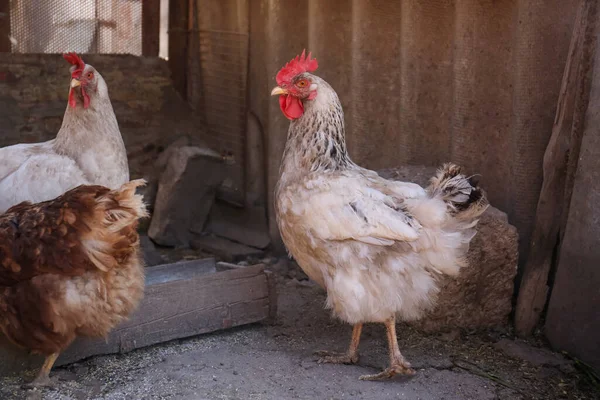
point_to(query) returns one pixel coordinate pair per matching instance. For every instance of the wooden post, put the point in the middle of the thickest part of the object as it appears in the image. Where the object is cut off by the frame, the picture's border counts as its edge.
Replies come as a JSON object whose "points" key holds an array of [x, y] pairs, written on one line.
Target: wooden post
{"points": [[150, 27], [554, 199], [5, 45], [178, 44]]}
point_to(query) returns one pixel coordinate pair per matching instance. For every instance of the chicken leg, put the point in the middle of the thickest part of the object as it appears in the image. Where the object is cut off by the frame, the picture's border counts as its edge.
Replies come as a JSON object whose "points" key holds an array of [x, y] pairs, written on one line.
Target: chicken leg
{"points": [[43, 378], [350, 357], [398, 365]]}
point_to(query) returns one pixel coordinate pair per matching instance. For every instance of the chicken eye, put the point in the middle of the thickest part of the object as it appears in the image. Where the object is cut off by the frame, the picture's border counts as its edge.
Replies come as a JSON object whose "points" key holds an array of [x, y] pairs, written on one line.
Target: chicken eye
{"points": [[90, 75], [302, 83]]}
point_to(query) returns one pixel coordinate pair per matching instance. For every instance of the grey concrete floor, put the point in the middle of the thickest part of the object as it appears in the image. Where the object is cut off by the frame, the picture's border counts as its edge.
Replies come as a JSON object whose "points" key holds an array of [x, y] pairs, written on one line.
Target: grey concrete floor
{"points": [[276, 362]]}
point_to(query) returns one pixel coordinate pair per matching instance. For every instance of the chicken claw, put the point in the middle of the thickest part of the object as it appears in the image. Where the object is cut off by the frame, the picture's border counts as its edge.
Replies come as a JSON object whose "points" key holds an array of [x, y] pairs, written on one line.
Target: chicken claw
{"points": [[398, 369], [332, 357], [349, 357], [398, 365], [43, 378], [39, 382]]}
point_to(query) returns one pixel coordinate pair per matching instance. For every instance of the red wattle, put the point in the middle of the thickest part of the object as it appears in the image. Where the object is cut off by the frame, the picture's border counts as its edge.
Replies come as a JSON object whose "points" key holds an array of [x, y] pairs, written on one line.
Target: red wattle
{"points": [[86, 99], [72, 101], [291, 106]]}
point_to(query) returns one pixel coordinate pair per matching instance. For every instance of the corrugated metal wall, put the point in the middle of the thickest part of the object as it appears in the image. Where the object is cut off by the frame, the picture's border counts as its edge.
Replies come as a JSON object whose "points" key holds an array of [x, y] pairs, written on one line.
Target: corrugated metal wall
{"points": [[424, 81]]}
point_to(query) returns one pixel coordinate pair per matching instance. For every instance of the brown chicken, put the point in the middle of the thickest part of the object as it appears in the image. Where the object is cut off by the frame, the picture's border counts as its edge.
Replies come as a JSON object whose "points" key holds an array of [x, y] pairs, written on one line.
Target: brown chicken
{"points": [[69, 267], [378, 247]]}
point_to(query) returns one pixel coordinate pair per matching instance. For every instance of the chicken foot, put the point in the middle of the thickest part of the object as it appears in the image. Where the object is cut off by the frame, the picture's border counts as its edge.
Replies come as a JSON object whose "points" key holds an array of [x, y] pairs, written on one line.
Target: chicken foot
{"points": [[349, 357], [398, 365], [43, 378]]}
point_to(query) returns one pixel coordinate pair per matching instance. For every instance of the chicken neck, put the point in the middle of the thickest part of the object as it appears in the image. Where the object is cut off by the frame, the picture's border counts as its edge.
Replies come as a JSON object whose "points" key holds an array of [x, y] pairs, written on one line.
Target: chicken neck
{"points": [[84, 128], [91, 137], [316, 141]]}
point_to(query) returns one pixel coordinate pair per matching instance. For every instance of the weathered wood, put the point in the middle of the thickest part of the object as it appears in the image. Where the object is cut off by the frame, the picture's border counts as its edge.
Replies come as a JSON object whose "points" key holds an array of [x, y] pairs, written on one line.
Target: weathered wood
{"points": [[5, 45], [572, 323], [181, 300], [225, 249], [150, 27], [272, 283], [553, 201], [180, 270], [178, 44]]}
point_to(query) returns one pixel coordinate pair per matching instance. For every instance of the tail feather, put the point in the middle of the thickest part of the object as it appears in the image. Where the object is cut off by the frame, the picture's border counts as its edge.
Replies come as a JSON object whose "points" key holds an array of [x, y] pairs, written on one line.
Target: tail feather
{"points": [[462, 194], [122, 206], [114, 235]]}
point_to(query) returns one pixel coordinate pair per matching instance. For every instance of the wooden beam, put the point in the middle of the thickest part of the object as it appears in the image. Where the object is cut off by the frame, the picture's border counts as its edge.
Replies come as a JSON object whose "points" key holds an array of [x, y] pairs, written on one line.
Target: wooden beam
{"points": [[150, 27], [5, 45], [178, 44], [555, 195]]}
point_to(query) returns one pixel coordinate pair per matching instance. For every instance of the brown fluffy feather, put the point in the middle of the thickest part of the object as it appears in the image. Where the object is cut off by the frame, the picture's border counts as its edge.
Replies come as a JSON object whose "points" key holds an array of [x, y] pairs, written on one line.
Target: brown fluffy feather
{"points": [[70, 266]]}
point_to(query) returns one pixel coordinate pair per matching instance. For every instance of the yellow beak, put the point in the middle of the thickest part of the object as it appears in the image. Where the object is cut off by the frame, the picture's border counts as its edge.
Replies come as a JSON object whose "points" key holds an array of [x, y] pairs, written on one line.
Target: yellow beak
{"points": [[75, 83], [277, 90]]}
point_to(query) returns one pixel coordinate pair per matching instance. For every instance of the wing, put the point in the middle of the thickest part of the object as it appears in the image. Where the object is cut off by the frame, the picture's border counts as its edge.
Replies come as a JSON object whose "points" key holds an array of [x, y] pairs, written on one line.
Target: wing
{"points": [[35, 173], [11, 158], [44, 238], [354, 207]]}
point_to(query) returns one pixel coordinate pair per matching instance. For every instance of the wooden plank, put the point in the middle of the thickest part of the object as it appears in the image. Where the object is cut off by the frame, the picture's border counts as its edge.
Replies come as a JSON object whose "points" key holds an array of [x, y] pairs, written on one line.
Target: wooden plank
{"points": [[178, 44], [273, 297], [5, 45], [150, 27], [195, 300], [226, 249], [179, 270], [552, 204]]}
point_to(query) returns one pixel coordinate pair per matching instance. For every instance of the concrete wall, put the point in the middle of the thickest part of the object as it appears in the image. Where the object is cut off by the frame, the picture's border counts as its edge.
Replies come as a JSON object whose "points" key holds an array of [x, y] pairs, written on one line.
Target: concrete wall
{"points": [[426, 81]]}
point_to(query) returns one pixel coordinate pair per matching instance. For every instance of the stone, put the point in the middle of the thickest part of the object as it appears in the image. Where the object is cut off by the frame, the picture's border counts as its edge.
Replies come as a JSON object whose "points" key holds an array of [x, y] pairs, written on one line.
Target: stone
{"points": [[151, 255], [226, 249], [480, 297], [186, 193], [247, 225]]}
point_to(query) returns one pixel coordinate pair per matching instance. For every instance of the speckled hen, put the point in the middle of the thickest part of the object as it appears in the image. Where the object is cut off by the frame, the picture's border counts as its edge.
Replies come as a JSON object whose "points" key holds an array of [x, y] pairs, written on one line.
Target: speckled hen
{"points": [[88, 149], [69, 267], [376, 246]]}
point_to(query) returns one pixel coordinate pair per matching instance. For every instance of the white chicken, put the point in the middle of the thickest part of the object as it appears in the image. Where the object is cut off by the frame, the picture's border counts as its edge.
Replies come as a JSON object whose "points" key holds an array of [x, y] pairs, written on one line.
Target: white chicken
{"points": [[376, 246], [88, 149]]}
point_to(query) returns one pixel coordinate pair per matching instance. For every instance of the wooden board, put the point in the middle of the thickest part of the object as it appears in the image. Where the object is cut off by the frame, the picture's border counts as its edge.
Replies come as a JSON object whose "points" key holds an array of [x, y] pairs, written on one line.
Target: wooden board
{"points": [[559, 166], [182, 300], [5, 45], [225, 249], [150, 27], [178, 44]]}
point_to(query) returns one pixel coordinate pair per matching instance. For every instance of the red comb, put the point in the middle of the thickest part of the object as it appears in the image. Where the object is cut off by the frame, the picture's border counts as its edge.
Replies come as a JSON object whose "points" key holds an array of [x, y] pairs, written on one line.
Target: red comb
{"points": [[74, 59], [296, 66]]}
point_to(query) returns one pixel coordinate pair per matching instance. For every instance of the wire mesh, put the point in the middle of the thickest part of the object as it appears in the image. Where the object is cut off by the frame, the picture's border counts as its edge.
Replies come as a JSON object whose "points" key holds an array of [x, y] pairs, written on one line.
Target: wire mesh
{"points": [[219, 87], [83, 26]]}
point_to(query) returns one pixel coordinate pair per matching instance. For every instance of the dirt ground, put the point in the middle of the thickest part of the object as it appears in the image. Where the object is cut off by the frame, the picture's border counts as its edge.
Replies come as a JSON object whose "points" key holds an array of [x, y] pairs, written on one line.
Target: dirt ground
{"points": [[276, 362]]}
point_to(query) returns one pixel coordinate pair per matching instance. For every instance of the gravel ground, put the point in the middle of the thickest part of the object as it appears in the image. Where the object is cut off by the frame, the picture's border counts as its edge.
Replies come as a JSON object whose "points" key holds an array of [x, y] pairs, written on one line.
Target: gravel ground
{"points": [[276, 362]]}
